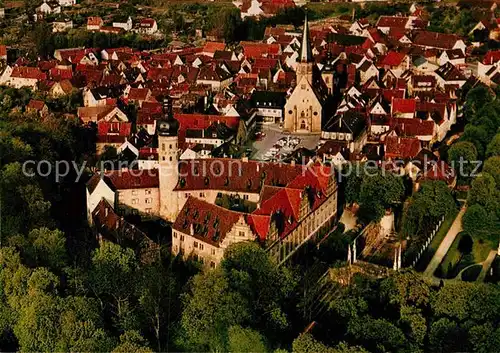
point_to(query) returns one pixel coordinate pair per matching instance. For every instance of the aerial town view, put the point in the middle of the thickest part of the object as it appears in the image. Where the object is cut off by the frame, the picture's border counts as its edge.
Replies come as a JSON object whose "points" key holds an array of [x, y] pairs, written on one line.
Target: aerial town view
{"points": [[249, 176]]}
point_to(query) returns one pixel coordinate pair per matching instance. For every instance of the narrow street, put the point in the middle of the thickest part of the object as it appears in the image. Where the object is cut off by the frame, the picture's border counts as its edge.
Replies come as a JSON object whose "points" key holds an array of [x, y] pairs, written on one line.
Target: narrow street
{"points": [[445, 245]]}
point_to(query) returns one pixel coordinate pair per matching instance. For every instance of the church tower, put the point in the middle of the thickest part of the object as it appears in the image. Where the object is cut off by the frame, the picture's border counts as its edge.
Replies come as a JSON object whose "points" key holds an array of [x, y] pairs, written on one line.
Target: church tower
{"points": [[304, 107], [168, 155], [306, 62]]}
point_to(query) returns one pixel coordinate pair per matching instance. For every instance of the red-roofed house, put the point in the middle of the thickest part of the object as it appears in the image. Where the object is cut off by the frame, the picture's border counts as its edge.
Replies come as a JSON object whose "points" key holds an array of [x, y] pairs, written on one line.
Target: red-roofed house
{"points": [[94, 23], [210, 48], [127, 190], [401, 147], [385, 23], [37, 106], [404, 107], [395, 61], [147, 26], [23, 76]]}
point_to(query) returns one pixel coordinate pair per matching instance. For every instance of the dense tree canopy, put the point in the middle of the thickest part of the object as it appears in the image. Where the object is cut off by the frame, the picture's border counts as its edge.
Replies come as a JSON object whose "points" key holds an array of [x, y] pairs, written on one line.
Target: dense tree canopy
{"points": [[374, 190], [426, 207]]}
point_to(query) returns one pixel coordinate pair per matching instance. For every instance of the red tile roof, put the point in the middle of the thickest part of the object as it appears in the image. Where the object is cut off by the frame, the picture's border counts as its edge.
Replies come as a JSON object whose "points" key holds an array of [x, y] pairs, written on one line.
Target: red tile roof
{"points": [[28, 72], [36, 105], [206, 221], [234, 175], [132, 179], [404, 105], [94, 21], [491, 57], [392, 59], [414, 127], [147, 23], [212, 47], [440, 171], [401, 147], [435, 39], [392, 21]]}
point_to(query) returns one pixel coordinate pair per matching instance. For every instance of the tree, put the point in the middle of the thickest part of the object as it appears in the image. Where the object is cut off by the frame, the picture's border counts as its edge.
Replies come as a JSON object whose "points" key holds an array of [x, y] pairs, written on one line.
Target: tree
{"points": [[157, 292], [47, 248], [493, 148], [484, 338], [210, 309], [492, 167], [266, 286], [245, 340], [376, 334], [132, 341], [112, 278], [482, 189], [426, 207], [42, 37], [476, 98], [461, 157], [306, 343], [478, 136], [446, 336], [477, 221], [375, 191]]}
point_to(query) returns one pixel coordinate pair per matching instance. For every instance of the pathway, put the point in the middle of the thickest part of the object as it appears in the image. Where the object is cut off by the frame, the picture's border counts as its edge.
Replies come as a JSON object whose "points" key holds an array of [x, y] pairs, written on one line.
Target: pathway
{"points": [[445, 245], [486, 265]]}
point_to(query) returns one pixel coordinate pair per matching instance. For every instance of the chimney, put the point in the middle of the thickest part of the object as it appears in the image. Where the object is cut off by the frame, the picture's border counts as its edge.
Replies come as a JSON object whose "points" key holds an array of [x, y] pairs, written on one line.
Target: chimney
{"points": [[191, 229], [244, 159], [258, 205], [258, 167], [293, 163]]}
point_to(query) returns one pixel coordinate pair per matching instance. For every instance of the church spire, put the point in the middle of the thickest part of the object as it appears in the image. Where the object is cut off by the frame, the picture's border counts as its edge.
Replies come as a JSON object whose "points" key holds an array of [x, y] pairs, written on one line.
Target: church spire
{"points": [[305, 49]]}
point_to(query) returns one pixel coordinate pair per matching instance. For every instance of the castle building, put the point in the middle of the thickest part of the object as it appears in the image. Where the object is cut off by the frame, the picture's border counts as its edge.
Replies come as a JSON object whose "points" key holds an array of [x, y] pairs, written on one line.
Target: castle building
{"points": [[304, 107], [213, 203]]}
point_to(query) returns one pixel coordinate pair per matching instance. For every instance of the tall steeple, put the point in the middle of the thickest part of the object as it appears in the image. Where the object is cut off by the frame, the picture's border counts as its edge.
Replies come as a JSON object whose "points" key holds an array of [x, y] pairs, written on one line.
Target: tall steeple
{"points": [[305, 49]]}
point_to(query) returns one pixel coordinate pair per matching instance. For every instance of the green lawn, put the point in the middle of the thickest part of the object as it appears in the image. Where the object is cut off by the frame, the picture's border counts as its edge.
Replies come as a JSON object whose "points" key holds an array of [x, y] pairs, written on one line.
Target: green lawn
{"points": [[438, 238], [455, 261]]}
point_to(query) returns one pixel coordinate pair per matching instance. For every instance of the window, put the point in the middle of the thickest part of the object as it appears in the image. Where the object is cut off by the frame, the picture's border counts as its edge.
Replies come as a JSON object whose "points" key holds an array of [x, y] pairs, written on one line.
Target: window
{"points": [[201, 246], [149, 210], [175, 234], [134, 192], [135, 201], [195, 244], [170, 158], [241, 233], [170, 146], [148, 191], [200, 258], [176, 248], [163, 147], [182, 237], [202, 194], [212, 264], [245, 197], [213, 252], [148, 200]]}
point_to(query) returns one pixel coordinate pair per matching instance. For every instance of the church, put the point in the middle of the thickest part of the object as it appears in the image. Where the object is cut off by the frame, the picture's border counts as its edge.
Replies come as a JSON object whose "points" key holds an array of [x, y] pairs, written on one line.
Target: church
{"points": [[304, 108]]}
